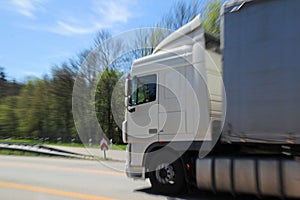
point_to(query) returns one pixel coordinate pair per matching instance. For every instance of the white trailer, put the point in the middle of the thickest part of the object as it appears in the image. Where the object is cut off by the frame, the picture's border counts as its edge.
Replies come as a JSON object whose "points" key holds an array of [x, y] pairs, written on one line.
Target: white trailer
{"points": [[179, 99]]}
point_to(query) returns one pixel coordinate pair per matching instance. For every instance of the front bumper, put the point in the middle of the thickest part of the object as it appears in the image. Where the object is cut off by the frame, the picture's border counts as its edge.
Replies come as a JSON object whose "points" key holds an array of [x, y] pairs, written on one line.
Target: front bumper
{"points": [[135, 172]]}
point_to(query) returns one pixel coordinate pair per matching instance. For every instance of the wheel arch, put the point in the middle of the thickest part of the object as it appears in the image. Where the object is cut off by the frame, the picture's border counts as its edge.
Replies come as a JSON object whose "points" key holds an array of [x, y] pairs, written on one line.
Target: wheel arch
{"points": [[156, 146]]}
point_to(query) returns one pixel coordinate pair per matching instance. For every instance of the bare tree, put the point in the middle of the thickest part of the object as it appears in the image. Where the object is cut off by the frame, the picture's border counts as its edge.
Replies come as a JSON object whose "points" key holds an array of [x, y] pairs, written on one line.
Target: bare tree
{"points": [[180, 14], [101, 58]]}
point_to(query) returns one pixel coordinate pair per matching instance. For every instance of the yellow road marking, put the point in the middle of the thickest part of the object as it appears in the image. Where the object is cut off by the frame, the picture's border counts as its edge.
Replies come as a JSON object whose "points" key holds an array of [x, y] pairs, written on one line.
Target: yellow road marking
{"points": [[48, 167], [51, 191]]}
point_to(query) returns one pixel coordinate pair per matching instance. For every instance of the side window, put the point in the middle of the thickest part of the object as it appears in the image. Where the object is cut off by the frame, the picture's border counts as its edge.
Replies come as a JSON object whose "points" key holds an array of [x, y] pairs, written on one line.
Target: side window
{"points": [[145, 91]]}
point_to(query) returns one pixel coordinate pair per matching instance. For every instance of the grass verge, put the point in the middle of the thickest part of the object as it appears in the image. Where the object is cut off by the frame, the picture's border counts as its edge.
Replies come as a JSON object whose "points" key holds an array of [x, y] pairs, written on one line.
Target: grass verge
{"points": [[27, 141]]}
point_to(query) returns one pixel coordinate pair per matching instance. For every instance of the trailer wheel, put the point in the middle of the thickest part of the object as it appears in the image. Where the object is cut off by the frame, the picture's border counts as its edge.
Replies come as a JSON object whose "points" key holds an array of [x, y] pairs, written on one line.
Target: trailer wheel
{"points": [[166, 173]]}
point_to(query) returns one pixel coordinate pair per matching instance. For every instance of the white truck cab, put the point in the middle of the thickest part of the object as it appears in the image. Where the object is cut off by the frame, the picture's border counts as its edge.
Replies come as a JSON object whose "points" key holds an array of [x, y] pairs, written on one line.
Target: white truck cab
{"points": [[173, 97]]}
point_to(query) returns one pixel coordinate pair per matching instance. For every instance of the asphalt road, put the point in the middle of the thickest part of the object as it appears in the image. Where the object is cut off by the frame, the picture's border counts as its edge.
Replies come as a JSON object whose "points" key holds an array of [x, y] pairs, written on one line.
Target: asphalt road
{"points": [[42, 178]]}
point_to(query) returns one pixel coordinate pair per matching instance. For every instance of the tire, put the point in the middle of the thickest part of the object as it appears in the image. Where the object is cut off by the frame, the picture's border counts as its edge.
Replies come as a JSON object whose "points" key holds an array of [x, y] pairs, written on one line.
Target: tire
{"points": [[166, 173]]}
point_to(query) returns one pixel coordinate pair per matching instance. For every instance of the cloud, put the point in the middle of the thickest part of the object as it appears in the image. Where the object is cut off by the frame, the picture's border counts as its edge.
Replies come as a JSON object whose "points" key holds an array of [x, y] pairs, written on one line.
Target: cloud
{"points": [[114, 11], [68, 28], [24, 7], [32, 74], [95, 15], [102, 14]]}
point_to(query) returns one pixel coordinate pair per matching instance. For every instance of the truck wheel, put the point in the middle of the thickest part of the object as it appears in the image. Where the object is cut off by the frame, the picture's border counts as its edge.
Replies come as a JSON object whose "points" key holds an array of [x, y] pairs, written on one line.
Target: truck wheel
{"points": [[166, 174]]}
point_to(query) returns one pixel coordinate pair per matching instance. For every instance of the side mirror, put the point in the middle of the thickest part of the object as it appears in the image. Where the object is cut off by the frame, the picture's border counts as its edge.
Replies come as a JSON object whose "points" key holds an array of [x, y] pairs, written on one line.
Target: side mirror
{"points": [[127, 85], [127, 99], [131, 110], [126, 102], [128, 94]]}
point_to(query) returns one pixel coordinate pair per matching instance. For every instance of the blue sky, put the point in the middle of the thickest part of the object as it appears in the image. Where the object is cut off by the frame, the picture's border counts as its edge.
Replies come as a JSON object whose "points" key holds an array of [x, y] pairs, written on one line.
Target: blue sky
{"points": [[37, 34]]}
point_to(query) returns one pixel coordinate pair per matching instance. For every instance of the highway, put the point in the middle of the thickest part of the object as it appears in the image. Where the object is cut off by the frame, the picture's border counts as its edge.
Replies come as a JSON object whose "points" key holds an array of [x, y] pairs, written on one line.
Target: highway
{"points": [[39, 178]]}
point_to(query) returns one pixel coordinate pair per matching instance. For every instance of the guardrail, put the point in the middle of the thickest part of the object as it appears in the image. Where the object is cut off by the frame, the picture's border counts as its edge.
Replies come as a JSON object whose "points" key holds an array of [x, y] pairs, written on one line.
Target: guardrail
{"points": [[40, 149]]}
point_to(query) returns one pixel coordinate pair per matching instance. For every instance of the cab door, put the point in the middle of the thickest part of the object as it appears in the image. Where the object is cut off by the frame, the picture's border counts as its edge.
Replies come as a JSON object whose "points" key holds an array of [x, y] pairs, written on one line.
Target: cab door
{"points": [[143, 109]]}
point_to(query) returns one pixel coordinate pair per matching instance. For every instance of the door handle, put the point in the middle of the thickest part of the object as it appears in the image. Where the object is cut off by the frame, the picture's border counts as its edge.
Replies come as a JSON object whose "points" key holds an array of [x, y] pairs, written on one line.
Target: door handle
{"points": [[153, 131]]}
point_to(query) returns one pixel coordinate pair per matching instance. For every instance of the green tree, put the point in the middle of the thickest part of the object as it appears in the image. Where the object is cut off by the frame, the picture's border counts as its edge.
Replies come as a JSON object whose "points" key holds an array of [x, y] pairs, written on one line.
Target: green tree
{"points": [[8, 117], [3, 83], [105, 88], [211, 17], [45, 106], [31, 110], [60, 94]]}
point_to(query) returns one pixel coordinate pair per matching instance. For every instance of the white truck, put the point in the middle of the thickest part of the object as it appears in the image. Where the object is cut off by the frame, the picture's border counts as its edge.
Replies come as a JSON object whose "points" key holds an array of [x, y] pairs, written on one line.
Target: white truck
{"points": [[222, 117]]}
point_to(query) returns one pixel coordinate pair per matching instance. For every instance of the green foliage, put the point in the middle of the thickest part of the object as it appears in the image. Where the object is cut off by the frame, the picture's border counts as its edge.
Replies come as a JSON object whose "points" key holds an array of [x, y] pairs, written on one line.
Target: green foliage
{"points": [[17, 153], [30, 108], [119, 147], [60, 94], [42, 109], [8, 117], [103, 103], [211, 17]]}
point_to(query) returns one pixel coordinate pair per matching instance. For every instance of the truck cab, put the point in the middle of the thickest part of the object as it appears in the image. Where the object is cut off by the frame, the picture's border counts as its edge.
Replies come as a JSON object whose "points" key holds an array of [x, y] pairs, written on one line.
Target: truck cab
{"points": [[173, 100]]}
